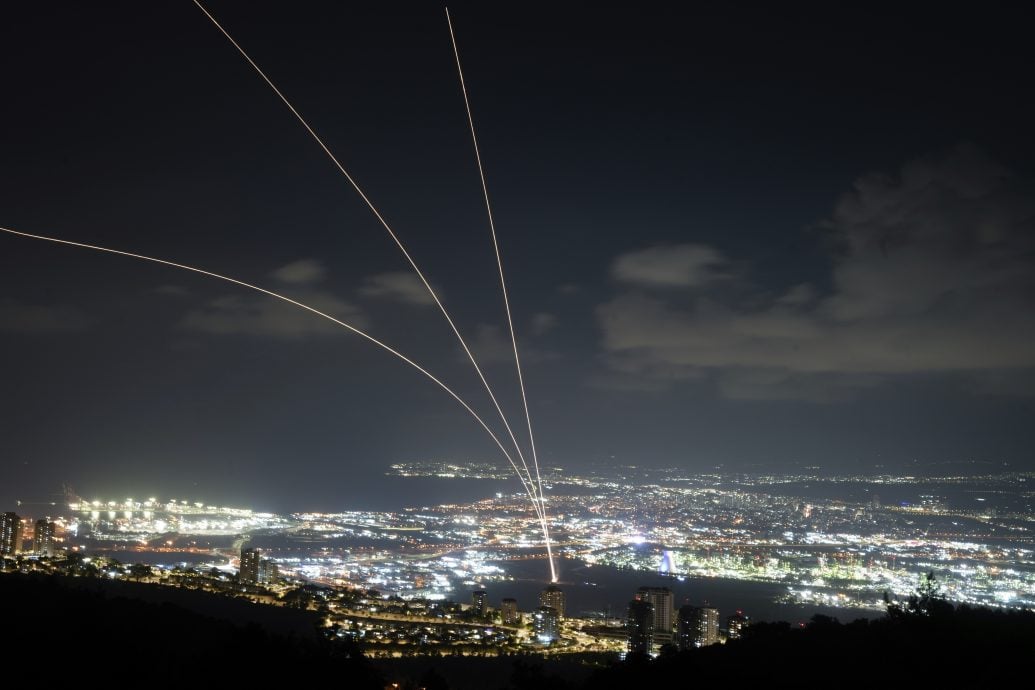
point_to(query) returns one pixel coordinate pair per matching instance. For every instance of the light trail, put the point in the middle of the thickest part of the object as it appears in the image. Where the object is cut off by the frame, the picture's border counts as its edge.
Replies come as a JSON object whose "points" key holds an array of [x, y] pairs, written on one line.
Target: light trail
{"points": [[395, 238], [506, 298], [301, 305]]}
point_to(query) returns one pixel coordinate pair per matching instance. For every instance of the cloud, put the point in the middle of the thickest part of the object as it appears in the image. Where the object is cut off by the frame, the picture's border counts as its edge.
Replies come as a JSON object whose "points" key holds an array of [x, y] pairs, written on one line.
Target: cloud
{"points": [[402, 286], [170, 290], [543, 323], [931, 271], [301, 272], [677, 265], [491, 345], [16, 317], [269, 317]]}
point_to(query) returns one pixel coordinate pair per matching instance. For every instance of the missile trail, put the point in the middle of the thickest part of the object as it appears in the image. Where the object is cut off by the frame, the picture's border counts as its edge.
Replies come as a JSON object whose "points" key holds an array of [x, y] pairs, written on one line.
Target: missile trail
{"points": [[384, 223], [301, 305], [503, 286]]}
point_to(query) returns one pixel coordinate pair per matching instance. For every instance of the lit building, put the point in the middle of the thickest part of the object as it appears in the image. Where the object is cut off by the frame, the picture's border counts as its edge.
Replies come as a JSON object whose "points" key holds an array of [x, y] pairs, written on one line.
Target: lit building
{"points": [[251, 562], [545, 624], [709, 626], [10, 534], [553, 597], [509, 612], [735, 625], [686, 627], [480, 602], [43, 538], [269, 571], [697, 627], [256, 569], [661, 599], [640, 627]]}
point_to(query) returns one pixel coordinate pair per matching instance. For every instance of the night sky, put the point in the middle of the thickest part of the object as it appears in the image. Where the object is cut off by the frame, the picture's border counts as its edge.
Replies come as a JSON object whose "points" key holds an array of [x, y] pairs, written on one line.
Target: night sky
{"points": [[739, 237]]}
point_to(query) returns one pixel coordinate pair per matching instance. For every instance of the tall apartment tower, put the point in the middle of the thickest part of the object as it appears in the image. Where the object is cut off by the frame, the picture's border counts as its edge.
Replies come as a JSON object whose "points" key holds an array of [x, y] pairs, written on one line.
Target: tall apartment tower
{"points": [[480, 602], [686, 627], [697, 627], [553, 597], [10, 534], [661, 599], [43, 538], [509, 612], [269, 572], [735, 625], [546, 624], [640, 627], [709, 626], [251, 562]]}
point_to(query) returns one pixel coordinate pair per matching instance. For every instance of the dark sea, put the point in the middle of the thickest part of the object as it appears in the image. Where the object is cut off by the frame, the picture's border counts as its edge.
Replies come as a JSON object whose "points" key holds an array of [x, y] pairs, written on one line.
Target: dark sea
{"points": [[377, 491], [607, 590]]}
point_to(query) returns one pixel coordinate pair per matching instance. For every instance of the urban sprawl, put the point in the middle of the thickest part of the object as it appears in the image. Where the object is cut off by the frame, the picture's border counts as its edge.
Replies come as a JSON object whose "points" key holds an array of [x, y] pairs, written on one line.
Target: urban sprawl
{"points": [[437, 579]]}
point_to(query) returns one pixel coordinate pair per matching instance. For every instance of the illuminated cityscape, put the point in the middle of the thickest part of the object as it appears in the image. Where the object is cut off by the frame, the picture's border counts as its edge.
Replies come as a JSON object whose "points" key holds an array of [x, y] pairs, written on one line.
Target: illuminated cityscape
{"points": [[504, 346], [395, 577]]}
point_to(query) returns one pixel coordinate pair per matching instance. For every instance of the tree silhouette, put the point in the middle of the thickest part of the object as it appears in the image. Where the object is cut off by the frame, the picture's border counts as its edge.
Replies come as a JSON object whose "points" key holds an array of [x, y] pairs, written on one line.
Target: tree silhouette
{"points": [[140, 570], [927, 600]]}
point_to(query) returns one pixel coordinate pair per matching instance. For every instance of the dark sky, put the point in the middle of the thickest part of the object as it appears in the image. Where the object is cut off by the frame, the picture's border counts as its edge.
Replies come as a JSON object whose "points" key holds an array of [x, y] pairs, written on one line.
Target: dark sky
{"points": [[748, 237]]}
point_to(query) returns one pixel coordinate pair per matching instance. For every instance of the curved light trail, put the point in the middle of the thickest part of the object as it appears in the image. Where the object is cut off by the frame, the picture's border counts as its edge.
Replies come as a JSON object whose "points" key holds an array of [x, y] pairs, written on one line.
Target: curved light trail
{"points": [[503, 287], [301, 305], [387, 227]]}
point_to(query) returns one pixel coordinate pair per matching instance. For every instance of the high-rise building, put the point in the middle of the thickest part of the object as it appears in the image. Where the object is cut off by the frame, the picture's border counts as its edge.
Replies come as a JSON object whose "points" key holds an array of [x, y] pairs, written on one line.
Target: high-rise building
{"points": [[686, 627], [480, 602], [640, 627], [43, 538], [509, 612], [251, 562], [268, 571], [256, 569], [697, 627], [553, 597], [661, 599], [10, 534], [735, 625], [709, 626], [545, 624]]}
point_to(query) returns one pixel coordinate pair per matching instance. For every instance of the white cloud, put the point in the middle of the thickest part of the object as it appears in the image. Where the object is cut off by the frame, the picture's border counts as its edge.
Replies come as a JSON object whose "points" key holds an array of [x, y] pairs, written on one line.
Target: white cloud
{"points": [[246, 313], [402, 286], [266, 316], [301, 272], [491, 345], [543, 323], [933, 271], [677, 265]]}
